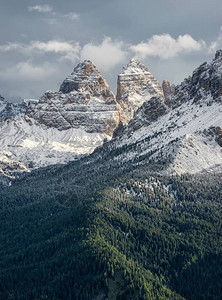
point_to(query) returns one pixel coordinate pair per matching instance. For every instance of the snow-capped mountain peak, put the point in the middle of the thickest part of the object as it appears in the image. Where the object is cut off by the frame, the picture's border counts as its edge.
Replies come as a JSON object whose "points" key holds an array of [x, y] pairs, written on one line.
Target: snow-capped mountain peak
{"points": [[135, 85], [134, 67], [88, 80]]}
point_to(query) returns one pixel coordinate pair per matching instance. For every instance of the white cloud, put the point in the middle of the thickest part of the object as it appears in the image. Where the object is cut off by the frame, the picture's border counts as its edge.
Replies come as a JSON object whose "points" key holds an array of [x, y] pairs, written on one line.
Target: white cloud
{"points": [[45, 8], [72, 16], [10, 47], [51, 21], [215, 45], [28, 70], [29, 79], [165, 46], [67, 50], [106, 55]]}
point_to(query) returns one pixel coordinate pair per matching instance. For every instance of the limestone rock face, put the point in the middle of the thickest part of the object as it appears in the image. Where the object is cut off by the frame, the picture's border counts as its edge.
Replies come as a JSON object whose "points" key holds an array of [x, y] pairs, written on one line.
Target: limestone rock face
{"points": [[168, 91], [84, 101], [216, 133], [209, 76], [205, 82], [87, 79], [135, 85], [149, 112]]}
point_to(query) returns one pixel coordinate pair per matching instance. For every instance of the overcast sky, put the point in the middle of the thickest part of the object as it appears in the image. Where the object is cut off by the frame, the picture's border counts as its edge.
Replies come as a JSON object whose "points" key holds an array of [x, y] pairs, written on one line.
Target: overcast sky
{"points": [[42, 41]]}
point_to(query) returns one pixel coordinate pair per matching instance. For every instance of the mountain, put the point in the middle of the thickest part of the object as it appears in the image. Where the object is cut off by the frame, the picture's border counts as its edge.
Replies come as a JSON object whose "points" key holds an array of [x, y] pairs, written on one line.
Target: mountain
{"points": [[118, 223], [135, 85], [174, 129], [84, 101], [61, 126], [179, 133]]}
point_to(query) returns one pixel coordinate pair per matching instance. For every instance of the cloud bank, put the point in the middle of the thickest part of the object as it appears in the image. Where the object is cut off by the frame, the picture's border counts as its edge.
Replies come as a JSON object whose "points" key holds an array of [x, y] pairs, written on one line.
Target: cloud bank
{"points": [[166, 47], [215, 45], [109, 53], [66, 50], [42, 64]]}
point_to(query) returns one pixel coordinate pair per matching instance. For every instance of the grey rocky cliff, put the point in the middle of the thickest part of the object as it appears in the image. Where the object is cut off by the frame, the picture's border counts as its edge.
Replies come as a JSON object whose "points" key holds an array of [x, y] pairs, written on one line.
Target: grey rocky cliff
{"points": [[168, 91], [135, 85], [149, 112], [205, 83], [84, 100]]}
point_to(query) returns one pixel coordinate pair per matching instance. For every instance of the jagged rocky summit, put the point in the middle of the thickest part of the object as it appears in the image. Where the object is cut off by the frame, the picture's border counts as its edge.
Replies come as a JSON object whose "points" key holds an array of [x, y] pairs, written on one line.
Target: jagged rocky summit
{"points": [[180, 133], [205, 82], [135, 85], [84, 101], [66, 124]]}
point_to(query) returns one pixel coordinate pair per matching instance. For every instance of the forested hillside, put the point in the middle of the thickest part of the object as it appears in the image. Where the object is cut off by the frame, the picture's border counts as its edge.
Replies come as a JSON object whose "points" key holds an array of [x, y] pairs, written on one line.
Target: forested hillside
{"points": [[80, 232]]}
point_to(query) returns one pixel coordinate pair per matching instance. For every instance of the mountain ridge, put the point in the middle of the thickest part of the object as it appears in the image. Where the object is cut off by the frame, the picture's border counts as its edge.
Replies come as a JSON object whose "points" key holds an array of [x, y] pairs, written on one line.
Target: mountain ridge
{"points": [[160, 123]]}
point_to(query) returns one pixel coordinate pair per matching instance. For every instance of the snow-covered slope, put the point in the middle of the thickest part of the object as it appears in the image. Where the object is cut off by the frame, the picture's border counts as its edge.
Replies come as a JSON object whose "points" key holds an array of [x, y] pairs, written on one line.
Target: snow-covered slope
{"points": [[37, 145], [135, 85], [176, 140]]}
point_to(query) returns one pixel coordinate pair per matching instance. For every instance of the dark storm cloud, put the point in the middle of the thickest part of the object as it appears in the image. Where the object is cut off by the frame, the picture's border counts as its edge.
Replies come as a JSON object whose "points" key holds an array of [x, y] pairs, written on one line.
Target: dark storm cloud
{"points": [[41, 41]]}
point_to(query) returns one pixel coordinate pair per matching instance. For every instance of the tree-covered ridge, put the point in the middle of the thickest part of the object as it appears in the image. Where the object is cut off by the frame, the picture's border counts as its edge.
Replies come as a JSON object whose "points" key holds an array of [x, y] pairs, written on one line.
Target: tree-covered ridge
{"points": [[138, 235]]}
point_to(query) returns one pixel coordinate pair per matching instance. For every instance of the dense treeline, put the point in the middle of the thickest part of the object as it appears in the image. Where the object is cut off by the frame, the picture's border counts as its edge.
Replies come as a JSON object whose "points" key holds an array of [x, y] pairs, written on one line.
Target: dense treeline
{"points": [[81, 232]]}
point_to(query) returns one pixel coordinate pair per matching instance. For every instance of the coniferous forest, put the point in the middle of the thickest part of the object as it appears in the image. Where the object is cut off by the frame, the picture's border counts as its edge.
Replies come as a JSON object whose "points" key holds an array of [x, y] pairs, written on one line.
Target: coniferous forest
{"points": [[93, 231]]}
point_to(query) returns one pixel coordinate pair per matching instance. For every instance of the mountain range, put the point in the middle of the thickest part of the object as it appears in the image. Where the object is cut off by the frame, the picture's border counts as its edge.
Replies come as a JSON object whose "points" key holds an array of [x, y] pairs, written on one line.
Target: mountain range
{"points": [[177, 126], [114, 198]]}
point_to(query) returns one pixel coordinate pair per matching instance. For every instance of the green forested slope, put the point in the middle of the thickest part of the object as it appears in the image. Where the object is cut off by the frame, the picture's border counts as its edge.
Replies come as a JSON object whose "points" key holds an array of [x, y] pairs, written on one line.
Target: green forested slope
{"points": [[77, 232]]}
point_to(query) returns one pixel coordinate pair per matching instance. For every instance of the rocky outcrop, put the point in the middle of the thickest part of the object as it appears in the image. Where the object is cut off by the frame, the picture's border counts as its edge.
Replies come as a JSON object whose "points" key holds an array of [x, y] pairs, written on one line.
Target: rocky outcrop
{"points": [[84, 101], [10, 110], [149, 112], [209, 76], [168, 91], [11, 169], [135, 85], [205, 83], [215, 133], [1, 99]]}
